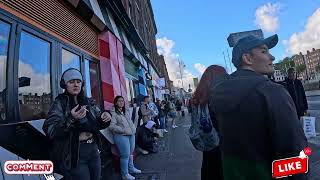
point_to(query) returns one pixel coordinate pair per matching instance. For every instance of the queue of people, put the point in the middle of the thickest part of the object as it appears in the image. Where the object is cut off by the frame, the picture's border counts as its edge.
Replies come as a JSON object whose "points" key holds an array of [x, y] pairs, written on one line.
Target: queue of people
{"points": [[74, 122], [256, 120]]}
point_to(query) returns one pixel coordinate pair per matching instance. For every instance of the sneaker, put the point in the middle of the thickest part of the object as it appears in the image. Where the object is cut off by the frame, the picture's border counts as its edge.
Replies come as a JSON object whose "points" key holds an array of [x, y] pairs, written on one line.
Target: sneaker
{"points": [[174, 126], [144, 152], [128, 177], [165, 131], [135, 171]]}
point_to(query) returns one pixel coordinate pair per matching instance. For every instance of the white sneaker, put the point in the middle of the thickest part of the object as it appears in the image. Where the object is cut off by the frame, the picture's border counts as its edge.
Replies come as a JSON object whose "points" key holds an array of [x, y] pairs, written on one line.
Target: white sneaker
{"points": [[128, 177], [144, 152], [135, 171], [165, 131], [174, 126]]}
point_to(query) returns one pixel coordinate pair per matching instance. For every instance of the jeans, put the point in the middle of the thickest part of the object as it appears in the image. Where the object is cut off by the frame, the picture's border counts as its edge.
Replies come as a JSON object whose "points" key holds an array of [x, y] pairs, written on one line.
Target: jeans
{"points": [[125, 145], [162, 122], [89, 165]]}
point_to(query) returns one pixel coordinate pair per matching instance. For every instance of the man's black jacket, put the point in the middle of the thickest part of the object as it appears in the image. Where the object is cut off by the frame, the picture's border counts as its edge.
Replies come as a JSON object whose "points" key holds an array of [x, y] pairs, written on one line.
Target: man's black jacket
{"points": [[258, 124]]}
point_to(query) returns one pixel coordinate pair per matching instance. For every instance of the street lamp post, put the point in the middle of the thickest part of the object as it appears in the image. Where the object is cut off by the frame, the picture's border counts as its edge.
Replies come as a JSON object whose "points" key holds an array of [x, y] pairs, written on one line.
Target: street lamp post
{"points": [[181, 70]]}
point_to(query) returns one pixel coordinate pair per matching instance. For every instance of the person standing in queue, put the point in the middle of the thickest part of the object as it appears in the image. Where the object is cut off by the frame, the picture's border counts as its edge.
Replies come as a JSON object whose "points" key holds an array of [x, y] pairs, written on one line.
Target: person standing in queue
{"points": [[72, 126], [124, 137], [211, 160]]}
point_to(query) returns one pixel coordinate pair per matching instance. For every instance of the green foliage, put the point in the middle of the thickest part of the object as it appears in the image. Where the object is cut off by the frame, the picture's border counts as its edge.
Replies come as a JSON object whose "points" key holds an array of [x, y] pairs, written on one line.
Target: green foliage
{"points": [[301, 68]]}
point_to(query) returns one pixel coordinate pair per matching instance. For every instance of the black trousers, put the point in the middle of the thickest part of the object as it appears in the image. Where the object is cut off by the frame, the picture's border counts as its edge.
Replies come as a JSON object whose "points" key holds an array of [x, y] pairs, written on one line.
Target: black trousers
{"points": [[89, 165], [211, 168]]}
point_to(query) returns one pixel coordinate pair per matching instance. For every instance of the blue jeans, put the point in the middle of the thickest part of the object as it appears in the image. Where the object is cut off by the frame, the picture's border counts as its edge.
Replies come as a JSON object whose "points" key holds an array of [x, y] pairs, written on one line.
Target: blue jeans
{"points": [[162, 122], [125, 145]]}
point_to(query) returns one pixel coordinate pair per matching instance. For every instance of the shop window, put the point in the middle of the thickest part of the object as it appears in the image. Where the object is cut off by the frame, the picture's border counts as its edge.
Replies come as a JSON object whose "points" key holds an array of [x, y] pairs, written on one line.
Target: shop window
{"points": [[130, 89], [4, 41], [70, 60], [92, 83], [34, 77]]}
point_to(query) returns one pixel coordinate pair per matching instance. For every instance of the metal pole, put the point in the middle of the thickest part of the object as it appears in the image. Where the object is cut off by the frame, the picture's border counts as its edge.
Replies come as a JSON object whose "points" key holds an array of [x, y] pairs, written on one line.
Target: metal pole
{"points": [[180, 71]]}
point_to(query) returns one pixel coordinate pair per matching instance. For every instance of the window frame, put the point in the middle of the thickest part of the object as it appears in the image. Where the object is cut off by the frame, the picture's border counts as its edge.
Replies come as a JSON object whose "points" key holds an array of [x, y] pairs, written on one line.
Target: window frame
{"points": [[20, 29], [10, 107], [91, 59], [17, 25]]}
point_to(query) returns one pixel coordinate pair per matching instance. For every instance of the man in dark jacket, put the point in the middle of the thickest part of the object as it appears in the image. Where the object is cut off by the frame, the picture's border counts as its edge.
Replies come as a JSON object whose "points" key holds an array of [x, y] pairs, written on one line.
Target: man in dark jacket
{"points": [[258, 122], [296, 91]]}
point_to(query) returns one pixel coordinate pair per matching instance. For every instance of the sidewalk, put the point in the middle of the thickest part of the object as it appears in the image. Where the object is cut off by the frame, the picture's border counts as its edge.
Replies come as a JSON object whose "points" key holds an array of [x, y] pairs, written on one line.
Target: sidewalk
{"points": [[176, 159]]}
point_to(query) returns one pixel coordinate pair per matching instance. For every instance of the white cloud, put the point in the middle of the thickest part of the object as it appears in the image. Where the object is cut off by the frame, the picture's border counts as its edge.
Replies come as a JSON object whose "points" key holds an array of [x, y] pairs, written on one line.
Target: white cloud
{"points": [[39, 83], [307, 39], [200, 68], [165, 48], [68, 57], [266, 17]]}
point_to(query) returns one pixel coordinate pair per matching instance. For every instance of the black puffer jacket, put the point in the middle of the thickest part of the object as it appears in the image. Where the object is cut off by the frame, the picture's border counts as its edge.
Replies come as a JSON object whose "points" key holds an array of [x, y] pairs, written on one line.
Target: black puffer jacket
{"points": [[64, 133]]}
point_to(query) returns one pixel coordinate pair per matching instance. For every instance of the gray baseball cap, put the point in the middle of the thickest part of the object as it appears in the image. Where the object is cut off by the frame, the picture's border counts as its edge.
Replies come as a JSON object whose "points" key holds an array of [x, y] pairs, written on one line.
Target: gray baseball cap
{"points": [[245, 44]]}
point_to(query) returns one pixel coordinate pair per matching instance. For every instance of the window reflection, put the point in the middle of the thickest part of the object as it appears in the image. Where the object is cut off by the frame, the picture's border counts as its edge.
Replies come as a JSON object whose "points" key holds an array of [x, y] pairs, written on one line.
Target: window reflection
{"points": [[70, 60], [34, 77], [130, 89], [92, 81], [4, 41]]}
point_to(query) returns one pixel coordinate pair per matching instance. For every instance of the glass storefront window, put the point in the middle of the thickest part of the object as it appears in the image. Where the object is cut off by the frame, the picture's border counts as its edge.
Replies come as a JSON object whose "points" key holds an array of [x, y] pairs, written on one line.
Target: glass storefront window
{"points": [[34, 77], [70, 60], [130, 89], [4, 42], [92, 84]]}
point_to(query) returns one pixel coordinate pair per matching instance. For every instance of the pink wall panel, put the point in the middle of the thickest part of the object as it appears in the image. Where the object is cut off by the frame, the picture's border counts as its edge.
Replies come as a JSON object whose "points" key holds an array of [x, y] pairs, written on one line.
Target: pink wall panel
{"points": [[112, 68], [113, 49], [108, 105], [115, 82], [107, 92], [106, 75]]}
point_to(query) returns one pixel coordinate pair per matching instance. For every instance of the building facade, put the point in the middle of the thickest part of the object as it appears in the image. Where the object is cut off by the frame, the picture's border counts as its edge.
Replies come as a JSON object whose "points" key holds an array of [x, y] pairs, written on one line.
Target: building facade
{"points": [[312, 62], [300, 59], [278, 76], [100, 38]]}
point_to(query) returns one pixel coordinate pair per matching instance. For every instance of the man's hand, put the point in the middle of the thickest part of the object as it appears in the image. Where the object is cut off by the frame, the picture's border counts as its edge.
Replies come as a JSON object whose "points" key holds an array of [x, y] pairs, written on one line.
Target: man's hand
{"points": [[105, 116], [81, 113]]}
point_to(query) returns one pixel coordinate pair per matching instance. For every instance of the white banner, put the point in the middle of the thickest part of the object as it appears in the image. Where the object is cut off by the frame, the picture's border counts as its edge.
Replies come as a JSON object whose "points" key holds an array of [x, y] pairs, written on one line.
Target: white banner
{"points": [[309, 126]]}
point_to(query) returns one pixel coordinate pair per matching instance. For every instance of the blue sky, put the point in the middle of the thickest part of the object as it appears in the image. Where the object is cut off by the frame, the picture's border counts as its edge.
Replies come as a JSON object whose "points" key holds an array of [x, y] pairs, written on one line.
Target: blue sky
{"points": [[199, 28]]}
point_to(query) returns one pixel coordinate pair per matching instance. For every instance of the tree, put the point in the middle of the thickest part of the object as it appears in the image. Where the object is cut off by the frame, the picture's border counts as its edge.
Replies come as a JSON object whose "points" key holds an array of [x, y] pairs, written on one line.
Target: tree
{"points": [[284, 65], [301, 68]]}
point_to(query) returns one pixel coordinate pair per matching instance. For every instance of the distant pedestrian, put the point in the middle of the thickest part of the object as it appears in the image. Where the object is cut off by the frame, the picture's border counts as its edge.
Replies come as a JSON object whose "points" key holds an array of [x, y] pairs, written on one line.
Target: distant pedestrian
{"points": [[257, 118], [172, 112], [211, 160], [296, 91], [144, 112], [178, 105]]}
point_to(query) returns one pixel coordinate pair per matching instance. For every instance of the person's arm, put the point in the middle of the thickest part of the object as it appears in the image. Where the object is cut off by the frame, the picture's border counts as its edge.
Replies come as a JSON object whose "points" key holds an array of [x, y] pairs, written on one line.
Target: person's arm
{"points": [[97, 113], [57, 125], [286, 133]]}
